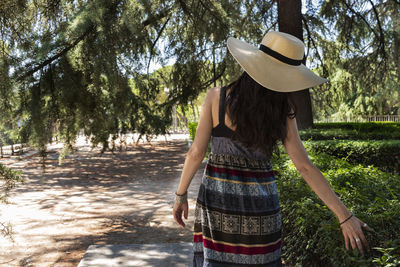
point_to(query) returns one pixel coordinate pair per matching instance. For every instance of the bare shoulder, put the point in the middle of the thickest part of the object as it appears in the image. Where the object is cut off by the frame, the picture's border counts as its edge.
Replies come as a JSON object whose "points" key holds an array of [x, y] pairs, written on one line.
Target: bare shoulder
{"points": [[214, 92], [213, 95]]}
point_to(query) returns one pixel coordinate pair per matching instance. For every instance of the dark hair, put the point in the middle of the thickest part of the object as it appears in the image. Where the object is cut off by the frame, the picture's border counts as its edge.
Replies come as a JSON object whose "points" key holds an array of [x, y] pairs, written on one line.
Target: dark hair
{"points": [[259, 114]]}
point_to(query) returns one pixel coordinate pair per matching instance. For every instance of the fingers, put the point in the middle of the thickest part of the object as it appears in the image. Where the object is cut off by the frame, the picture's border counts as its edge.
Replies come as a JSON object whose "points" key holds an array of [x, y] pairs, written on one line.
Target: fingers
{"points": [[362, 236], [178, 217], [353, 234], [353, 242], [347, 241], [368, 228], [177, 213], [364, 241], [185, 211], [357, 240]]}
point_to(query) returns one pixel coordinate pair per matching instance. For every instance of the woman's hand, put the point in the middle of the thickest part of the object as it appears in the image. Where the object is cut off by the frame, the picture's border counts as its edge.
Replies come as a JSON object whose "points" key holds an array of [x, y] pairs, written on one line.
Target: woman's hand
{"points": [[177, 211], [353, 234]]}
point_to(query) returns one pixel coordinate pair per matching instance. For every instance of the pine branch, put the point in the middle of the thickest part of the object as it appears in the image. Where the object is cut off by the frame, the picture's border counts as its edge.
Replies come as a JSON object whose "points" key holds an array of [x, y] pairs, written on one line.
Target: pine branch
{"points": [[157, 17], [68, 47], [211, 11], [155, 42], [56, 56], [381, 34], [361, 17], [186, 9], [314, 44], [248, 12], [211, 81]]}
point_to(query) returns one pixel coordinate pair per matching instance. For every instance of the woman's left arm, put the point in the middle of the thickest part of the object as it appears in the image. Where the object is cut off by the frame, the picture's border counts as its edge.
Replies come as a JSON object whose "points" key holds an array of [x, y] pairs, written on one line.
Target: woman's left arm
{"points": [[195, 155], [351, 229]]}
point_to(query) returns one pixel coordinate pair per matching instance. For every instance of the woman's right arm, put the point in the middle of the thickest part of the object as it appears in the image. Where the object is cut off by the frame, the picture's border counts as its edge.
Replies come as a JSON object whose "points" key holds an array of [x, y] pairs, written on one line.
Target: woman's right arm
{"points": [[195, 155], [199, 146]]}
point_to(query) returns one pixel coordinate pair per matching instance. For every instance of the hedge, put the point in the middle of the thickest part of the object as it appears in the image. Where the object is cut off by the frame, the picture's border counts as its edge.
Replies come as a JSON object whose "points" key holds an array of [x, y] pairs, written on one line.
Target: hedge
{"points": [[311, 232], [341, 130], [354, 134], [384, 154], [360, 126]]}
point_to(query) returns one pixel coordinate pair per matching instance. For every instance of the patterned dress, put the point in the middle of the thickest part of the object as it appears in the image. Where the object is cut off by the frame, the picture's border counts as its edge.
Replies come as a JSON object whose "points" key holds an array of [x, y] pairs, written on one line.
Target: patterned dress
{"points": [[237, 213]]}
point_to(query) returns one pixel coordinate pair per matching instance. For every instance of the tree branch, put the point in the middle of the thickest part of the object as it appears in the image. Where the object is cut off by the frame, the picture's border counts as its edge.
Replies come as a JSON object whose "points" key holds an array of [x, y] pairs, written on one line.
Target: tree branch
{"points": [[186, 9], [313, 42], [157, 17], [154, 43], [362, 17], [248, 12], [145, 23], [57, 55], [211, 11], [211, 81], [381, 34]]}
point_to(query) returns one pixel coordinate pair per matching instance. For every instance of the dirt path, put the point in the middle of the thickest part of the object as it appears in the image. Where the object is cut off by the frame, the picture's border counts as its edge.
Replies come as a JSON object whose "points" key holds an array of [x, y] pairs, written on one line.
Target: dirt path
{"points": [[118, 198]]}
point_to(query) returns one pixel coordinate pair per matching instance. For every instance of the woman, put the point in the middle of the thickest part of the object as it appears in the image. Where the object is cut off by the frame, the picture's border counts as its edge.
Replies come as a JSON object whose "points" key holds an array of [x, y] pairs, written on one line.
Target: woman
{"points": [[237, 213]]}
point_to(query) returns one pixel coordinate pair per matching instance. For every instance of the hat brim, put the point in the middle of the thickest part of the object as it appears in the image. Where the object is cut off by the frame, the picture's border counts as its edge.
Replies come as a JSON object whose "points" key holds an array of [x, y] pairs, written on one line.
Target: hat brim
{"points": [[270, 72]]}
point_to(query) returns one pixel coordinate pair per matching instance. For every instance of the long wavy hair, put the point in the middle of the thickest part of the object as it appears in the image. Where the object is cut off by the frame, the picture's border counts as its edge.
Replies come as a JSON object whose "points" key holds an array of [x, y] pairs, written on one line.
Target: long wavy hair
{"points": [[259, 114]]}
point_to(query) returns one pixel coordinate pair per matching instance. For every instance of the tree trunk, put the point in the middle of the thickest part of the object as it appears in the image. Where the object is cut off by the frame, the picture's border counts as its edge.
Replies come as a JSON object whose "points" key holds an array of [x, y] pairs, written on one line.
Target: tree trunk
{"points": [[289, 21], [184, 117], [174, 121], [194, 111], [396, 28]]}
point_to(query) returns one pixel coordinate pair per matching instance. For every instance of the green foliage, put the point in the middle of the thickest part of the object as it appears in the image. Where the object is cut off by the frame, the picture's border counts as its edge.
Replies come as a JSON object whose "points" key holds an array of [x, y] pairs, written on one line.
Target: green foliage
{"points": [[8, 180], [354, 134], [384, 154], [390, 254], [364, 76], [74, 65], [311, 232], [192, 129], [360, 126]]}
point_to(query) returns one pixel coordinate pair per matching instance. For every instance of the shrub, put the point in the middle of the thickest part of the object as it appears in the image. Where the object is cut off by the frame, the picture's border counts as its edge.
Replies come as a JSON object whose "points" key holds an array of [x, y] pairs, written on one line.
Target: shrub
{"points": [[355, 134], [360, 126], [192, 129], [352, 130], [311, 232], [8, 180], [384, 154]]}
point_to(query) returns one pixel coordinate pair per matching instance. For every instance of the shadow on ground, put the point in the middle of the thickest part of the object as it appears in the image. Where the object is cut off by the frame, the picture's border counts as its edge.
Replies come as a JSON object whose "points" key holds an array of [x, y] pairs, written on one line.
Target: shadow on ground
{"points": [[94, 199]]}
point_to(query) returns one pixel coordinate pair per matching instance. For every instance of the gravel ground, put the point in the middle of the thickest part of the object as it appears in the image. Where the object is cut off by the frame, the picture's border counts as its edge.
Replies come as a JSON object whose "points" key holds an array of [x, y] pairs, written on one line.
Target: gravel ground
{"points": [[120, 198]]}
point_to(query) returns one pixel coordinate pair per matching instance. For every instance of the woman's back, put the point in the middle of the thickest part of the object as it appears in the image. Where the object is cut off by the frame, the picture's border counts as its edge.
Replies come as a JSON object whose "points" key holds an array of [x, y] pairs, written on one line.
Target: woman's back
{"points": [[223, 130]]}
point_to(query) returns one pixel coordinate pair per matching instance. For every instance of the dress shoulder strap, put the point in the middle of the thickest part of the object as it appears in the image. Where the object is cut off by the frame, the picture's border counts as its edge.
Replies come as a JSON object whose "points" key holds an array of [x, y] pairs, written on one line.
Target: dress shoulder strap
{"points": [[221, 116], [221, 130]]}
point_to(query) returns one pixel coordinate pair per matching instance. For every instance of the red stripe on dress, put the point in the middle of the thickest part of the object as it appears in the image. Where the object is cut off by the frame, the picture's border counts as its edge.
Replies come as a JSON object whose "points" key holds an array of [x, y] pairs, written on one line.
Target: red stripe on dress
{"points": [[241, 173], [237, 249], [240, 249], [198, 238]]}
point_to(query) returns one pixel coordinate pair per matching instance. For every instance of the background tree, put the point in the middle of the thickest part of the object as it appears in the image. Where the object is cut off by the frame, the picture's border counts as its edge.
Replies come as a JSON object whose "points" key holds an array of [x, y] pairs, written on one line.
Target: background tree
{"points": [[361, 60], [290, 21], [85, 65]]}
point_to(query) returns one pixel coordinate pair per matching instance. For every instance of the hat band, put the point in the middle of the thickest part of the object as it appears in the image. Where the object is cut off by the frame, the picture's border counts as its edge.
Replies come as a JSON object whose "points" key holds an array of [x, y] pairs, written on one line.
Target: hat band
{"points": [[279, 56]]}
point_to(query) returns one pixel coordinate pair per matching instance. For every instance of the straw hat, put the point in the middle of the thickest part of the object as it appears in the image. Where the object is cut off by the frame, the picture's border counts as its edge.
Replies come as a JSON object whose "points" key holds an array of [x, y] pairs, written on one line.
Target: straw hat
{"points": [[276, 65]]}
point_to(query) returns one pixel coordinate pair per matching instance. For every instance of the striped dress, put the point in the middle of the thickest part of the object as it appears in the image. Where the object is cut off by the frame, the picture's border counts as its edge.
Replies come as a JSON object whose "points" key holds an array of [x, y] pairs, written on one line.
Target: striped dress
{"points": [[237, 213]]}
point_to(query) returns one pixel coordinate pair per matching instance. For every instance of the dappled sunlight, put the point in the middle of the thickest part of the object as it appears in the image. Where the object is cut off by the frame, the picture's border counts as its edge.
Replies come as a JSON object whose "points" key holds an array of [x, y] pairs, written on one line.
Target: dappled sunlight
{"points": [[119, 198], [175, 254]]}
